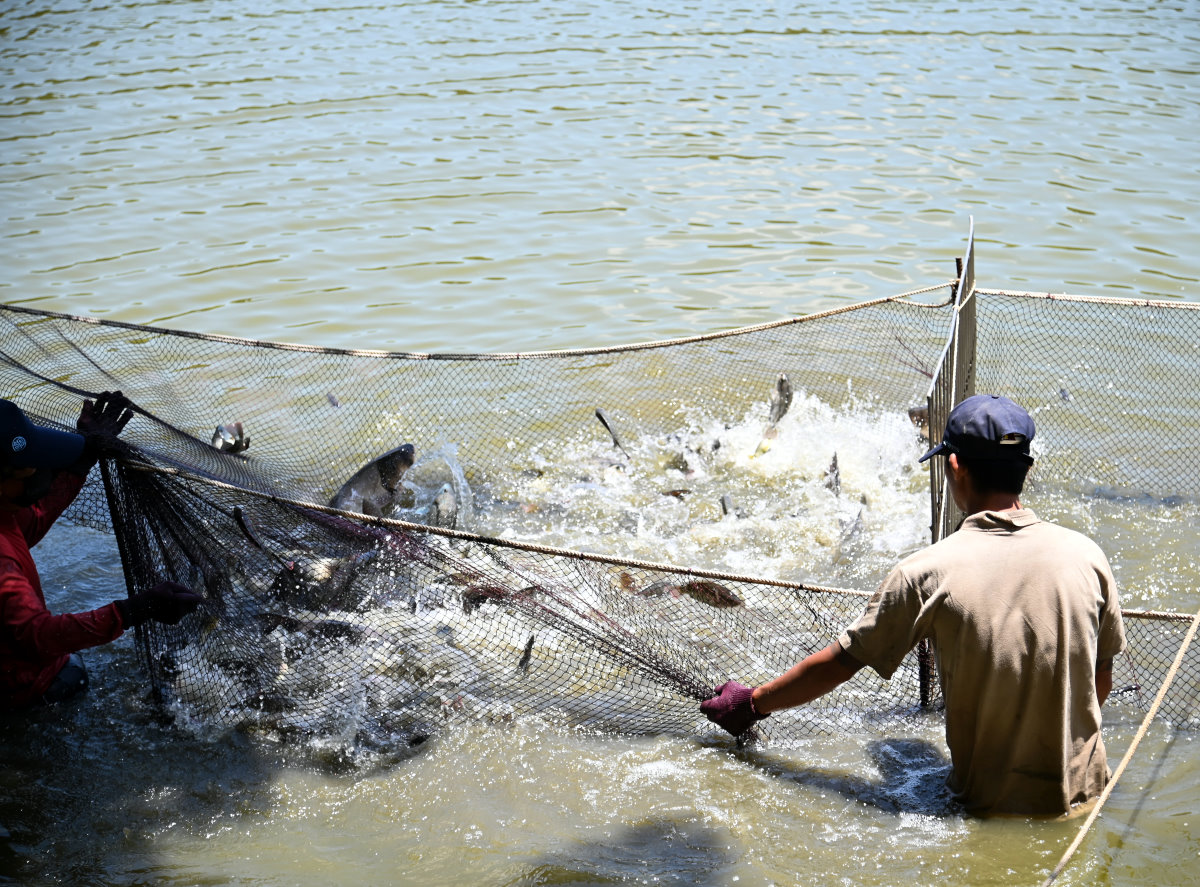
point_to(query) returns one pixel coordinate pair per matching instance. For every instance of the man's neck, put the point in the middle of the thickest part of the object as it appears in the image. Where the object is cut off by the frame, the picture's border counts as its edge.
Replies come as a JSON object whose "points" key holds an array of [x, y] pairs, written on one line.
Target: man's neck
{"points": [[994, 502]]}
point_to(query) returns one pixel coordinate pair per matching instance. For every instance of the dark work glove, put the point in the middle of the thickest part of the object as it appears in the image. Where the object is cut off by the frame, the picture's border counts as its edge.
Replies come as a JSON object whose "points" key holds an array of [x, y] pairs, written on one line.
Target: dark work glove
{"points": [[167, 602], [100, 422], [732, 708]]}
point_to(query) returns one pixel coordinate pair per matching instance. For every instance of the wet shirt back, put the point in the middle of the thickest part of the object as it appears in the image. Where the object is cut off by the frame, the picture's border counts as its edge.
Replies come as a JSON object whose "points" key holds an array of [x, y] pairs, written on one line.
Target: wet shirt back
{"points": [[1019, 611]]}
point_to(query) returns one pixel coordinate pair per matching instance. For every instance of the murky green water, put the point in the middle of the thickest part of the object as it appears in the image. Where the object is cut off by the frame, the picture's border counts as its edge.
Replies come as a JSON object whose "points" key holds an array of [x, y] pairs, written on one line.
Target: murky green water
{"points": [[528, 175]]}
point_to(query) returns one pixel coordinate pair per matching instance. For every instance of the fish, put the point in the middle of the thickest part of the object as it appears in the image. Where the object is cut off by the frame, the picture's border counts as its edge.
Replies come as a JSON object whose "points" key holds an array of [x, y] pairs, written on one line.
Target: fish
{"points": [[728, 507], [679, 462], [777, 406], [714, 594], [372, 489], [331, 629], [443, 512], [851, 530], [603, 417], [247, 527], [523, 664], [833, 477], [322, 583], [231, 438], [919, 416], [779, 403], [476, 596]]}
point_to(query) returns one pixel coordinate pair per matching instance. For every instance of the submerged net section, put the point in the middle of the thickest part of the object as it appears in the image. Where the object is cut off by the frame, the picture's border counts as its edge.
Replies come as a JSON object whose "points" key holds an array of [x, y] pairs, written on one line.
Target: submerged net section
{"points": [[320, 625], [785, 499]]}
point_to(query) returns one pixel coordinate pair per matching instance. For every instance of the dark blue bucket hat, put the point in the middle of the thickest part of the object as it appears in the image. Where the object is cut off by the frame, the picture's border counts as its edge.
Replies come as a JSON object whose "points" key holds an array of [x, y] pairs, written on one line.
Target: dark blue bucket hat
{"points": [[987, 426], [25, 445]]}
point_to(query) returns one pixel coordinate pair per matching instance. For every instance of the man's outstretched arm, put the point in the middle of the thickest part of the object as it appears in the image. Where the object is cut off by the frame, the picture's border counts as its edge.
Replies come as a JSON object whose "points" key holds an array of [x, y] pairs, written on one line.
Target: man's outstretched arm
{"points": [[813, 676], [735, 707]]}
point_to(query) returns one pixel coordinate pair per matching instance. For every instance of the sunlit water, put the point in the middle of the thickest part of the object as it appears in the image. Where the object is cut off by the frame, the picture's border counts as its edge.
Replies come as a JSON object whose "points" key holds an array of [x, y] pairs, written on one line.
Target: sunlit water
{"points": [[511, 176]]}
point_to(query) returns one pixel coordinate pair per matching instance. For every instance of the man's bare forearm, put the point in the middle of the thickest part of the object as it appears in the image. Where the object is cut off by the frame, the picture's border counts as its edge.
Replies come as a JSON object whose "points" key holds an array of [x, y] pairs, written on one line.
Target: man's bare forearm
{"points": [[808, 679]]}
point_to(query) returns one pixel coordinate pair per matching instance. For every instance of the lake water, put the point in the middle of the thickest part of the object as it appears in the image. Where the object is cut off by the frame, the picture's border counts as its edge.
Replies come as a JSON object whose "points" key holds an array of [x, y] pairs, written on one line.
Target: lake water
{"points": [[468, 176]]}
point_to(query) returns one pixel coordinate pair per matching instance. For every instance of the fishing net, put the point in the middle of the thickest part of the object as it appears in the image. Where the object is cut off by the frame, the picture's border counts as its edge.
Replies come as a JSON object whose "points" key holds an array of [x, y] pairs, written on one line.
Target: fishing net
{"points": [[460, 600]]}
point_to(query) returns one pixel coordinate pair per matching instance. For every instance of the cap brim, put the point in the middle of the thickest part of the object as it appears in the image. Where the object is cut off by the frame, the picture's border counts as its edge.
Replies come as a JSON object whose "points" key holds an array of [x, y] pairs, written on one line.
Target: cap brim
{"points": [[937, 450], [992, 454]]}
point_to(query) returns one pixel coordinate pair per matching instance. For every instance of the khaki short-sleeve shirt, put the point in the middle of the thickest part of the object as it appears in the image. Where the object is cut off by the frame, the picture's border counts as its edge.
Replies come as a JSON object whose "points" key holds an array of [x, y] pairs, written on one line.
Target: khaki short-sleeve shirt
{"points": [[1019, 612]]}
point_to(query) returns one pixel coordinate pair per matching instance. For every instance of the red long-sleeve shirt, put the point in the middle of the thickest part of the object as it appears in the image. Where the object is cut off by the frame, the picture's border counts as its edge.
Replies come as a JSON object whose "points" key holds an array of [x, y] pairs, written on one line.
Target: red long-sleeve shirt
{"points": [[34, 643]]}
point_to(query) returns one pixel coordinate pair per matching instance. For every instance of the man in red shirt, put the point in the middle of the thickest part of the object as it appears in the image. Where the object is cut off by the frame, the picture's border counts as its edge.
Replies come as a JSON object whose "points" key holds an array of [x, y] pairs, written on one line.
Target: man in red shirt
{"points": [[41, 472]]}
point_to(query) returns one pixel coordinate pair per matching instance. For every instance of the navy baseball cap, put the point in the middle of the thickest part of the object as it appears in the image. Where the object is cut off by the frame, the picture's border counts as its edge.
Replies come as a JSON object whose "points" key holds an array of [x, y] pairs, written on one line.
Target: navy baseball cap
{"points": [[987, 426], [25, 445]]}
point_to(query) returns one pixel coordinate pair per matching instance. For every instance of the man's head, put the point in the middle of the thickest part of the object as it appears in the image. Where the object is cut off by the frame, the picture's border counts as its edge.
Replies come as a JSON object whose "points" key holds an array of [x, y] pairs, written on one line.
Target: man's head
{"points": [[989, 435], [25, 445], [30, 454]]}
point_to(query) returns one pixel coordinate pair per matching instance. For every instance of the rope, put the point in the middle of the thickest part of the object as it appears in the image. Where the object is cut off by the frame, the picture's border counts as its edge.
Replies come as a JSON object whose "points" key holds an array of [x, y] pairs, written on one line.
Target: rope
{"points": [[1108, 789], [496, 356], [462, 535], [1096, 300]]}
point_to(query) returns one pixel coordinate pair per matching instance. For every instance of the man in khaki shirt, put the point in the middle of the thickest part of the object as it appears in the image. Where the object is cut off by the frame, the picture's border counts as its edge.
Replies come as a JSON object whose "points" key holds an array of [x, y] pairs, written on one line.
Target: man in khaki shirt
{"points": [[1025, 622]]}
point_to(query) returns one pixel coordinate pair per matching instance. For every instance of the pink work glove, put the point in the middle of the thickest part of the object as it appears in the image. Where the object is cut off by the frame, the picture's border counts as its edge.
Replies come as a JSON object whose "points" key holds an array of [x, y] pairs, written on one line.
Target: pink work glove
{"points": [[732, 707]]}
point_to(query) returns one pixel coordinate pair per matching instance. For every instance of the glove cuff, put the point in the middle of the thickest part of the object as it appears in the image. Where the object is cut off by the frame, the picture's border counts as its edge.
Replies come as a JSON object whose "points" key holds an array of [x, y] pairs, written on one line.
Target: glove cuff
{"points": [[758, 716], [131, 614]]}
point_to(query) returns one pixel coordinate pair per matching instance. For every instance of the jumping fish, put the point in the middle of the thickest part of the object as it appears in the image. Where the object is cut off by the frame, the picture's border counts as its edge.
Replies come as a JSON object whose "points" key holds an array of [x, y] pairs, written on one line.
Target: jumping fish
{"points": [[779, 403], [372, 489], [712, 593], [851, 529], [603, 417], [833, 477], [679, 462], [476, 596], [444, 510], [231, 438], [919, 416]]}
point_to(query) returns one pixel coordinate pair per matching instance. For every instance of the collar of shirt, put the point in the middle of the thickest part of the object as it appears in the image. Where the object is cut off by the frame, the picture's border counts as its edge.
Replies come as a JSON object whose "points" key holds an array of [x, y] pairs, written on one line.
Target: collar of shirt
{"points": [[1002, 520]]}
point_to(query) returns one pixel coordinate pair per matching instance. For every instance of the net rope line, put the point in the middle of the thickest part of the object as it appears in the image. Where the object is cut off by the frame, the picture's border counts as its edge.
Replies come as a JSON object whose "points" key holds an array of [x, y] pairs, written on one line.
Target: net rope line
{"points": [[390, 523], [1095, 300], [535, 548], [1142, 730], [509, 355]]}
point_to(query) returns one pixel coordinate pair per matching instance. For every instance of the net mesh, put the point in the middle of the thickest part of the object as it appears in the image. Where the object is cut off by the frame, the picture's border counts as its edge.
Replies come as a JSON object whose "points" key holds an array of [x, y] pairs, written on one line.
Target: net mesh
{"points": [[458, 602]]}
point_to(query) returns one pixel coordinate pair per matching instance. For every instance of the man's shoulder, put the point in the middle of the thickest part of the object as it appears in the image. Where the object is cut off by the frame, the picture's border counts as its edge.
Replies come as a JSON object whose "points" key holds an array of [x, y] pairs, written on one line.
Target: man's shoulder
{"points": [[978, 534], [1057, 534]]}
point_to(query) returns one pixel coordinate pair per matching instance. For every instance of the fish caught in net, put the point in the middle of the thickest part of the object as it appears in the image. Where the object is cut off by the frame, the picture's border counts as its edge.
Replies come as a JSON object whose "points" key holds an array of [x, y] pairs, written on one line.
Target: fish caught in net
{"points": [[389, 543]]}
